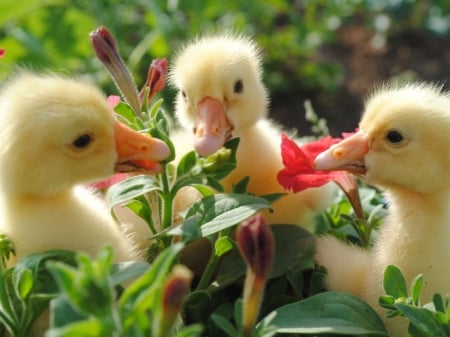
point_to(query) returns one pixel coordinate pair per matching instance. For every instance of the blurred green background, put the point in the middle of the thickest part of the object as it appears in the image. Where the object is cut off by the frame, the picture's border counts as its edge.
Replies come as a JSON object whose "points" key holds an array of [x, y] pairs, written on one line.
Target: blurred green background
{"points": [[328, 51]]}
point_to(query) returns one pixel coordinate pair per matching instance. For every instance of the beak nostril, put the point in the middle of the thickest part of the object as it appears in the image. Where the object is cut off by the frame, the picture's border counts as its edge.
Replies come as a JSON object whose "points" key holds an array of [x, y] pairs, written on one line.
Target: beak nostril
{"points": [[338, 153]]}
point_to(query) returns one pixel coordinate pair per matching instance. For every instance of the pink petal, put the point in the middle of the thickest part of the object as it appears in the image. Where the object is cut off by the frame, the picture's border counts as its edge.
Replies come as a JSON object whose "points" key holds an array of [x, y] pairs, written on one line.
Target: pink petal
{"points": [[112, 101]]}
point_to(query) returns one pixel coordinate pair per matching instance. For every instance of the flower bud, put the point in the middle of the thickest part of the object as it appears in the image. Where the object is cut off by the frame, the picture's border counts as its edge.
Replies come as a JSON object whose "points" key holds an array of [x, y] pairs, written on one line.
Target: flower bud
{"points": [[256, 243], [156, 79], [175, 290], [106, 50]]}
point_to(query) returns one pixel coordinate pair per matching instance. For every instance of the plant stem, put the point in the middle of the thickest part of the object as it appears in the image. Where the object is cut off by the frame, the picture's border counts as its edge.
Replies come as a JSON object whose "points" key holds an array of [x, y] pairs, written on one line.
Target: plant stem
{"points": [[253, 293], [208, 272], [167, 200]]}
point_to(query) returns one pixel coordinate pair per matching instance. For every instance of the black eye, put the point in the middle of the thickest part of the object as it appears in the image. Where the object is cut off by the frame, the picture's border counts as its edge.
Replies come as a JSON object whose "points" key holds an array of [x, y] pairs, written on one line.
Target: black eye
{"points": [[238, 86], [183, 93], [82, 141], [394, 137]]}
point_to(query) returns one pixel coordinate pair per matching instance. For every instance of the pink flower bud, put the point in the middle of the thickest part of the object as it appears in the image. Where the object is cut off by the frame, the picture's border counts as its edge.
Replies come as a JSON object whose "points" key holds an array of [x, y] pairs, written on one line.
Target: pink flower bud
{"points": [[105, 48], [156, 78]]}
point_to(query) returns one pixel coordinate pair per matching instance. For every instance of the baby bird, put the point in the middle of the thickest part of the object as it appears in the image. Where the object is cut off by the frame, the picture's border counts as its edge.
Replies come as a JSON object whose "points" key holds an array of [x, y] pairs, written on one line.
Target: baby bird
{"points": [[403, 148], [221, 96], [57, 134]]}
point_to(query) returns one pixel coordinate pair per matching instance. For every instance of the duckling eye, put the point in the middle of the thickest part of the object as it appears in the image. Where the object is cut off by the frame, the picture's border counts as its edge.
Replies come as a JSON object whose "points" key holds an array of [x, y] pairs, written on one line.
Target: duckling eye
{"points": [[82, 141], [183, 93], [238, 86], [394, 137]]}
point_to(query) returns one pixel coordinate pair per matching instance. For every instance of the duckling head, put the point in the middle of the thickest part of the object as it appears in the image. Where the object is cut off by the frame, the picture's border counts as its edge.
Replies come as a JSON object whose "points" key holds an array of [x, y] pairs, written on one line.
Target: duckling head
{"points": [[402, 142], [57, 132], [220, 89]]}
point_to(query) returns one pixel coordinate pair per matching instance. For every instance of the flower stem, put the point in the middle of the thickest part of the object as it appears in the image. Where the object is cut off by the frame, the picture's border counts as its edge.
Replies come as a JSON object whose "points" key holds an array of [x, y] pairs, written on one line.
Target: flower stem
{"points": [[208, 272], [253, 294], [167, 199]]}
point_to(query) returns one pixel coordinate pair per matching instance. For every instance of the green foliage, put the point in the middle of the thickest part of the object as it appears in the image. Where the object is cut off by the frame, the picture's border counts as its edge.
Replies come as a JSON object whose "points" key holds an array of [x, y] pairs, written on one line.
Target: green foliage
{"points": [[432, 319], [26, 290], [89, 293], [325, 313], [340, 221]]}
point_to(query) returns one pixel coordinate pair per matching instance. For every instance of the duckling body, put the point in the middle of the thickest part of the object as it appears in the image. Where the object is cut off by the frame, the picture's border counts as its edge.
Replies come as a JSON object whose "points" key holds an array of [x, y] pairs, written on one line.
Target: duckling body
{"points": [[221, 96], [58, 134], [402, 148]]}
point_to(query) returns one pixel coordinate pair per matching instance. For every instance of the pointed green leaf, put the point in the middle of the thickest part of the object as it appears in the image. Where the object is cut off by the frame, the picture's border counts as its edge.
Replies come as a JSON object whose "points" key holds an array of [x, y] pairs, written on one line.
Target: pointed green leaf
{"points": [[187, 163], [416, 287], [220, 211], [131, 188]]}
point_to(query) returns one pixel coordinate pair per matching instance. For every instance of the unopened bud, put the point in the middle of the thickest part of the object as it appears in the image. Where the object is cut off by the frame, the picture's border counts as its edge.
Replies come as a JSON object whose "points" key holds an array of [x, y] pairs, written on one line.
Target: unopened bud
{"points": [[256, 243], [156, 79], [105, 48]]}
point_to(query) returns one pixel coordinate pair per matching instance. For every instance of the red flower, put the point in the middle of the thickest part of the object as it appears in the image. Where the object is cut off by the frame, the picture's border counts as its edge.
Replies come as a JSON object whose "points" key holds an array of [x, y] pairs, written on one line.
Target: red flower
{"points": [[2, 52], [298, 173]]}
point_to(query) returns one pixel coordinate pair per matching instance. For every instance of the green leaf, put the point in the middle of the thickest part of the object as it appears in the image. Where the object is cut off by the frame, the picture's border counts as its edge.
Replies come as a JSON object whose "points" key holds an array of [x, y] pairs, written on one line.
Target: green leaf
{"points": [[394, 283], [326, 313], [187, 163], [87, 328], [220, 211], [192, 330], [23, 283], [225, 325], [293, 251], [222, 246], [153, 276], [439, 304], [125, 111], [140, 207], [423, 320], [416, 287], [131, 188], [125, 271], [63, 313]]}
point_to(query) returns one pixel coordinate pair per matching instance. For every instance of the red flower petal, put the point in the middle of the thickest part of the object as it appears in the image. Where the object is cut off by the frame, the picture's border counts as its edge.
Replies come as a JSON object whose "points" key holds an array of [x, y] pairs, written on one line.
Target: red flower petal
{"points": [[298, 173]]}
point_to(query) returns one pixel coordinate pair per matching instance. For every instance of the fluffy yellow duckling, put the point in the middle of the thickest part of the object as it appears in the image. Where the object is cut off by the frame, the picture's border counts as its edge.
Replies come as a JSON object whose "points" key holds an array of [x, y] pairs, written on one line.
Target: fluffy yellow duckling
{"points": [[220, 96], [58, 133], [402, 147]]}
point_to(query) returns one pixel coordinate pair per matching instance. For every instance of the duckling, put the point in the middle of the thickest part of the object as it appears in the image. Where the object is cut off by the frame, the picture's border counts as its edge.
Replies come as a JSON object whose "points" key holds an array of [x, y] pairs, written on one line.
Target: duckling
{"points": [[402, 147], [57, 135], [221, 95]]}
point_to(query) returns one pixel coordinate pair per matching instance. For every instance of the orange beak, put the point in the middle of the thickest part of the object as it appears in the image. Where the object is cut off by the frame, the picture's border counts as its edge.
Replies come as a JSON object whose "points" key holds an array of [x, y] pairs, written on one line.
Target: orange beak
{"points": [[348, 155], [212, 128], [137, 151]]}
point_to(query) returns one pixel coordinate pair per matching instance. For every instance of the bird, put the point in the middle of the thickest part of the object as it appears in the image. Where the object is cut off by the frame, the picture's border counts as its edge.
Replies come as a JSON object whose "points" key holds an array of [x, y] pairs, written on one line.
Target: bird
{"points": [[402, 147], [57, 136], [220, 96]]}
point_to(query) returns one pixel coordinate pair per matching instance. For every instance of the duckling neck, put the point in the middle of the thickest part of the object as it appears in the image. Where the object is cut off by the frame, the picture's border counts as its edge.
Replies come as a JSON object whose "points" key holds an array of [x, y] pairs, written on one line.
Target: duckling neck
{"points": [[421, 212]]}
